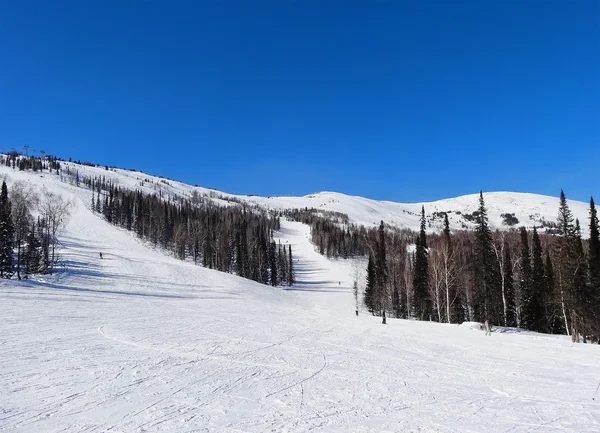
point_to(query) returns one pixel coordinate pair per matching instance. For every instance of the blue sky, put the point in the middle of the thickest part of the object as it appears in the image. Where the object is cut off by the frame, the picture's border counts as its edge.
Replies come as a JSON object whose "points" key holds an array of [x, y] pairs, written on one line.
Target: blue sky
{"points": [[395, 100]]}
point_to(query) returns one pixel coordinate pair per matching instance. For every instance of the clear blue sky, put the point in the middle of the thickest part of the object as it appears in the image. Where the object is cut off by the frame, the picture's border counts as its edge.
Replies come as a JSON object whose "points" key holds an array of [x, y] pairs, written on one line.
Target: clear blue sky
{"points": [[394, 100]]}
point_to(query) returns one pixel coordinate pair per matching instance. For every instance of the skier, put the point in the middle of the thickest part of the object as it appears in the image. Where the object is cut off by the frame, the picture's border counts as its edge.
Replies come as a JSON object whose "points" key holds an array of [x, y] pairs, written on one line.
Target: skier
{"points": [[488, 329], [100, 255]]}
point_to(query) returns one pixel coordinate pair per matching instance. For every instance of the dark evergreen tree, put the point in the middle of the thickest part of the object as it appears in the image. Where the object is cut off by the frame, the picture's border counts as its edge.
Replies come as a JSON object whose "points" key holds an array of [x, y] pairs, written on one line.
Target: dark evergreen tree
{"points": [[525, 319], [369, 297], [594, 269], [421, 302], [554, 316], [540, 296], [6, 234], [568, 263], [446, 227], [511, 316], [273, 261], [33, 253], [582, 294], [381, 272], [488, 292], [291, 280]]}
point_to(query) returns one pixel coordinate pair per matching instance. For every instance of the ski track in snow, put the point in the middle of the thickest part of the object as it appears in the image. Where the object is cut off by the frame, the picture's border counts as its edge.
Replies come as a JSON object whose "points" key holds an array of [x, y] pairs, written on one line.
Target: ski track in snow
{"points": [[141, 342]]}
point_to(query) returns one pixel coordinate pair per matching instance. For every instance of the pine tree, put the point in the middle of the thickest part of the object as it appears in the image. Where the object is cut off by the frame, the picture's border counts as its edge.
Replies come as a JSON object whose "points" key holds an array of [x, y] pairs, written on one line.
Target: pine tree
{"points": [[291, 280], [538, 287], [511, 317], [446, 226], [568, 261], [6, 234], [594, 268], [369, 297], [33, 252], [526, 320], [421, 301], [582, 294], [273, 262], [488, 296], [381, 274]]}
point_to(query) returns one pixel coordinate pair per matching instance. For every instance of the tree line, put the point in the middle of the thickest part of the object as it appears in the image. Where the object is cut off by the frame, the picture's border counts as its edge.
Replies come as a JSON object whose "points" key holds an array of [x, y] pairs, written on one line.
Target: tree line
{"points": [[231, 239], [27, 242], [541, 282], [235, 239]]}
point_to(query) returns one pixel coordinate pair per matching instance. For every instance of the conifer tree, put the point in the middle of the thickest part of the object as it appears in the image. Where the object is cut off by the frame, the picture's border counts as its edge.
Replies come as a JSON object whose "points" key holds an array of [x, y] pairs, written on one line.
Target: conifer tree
{"points": [[33, 252], [568, 262], [511, 317], [291, 280], [421, 301], [446, 226], [369, 297], [594, 267], [525, 282], [488, 295], [538, 287], [553, 315], [273, 262], [6, 234], [381, 274], [594, 248]]}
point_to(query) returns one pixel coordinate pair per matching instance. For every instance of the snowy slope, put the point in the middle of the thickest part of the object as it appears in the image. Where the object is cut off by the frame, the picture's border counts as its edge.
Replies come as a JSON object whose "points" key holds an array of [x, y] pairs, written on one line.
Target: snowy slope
{"points": [[141, 342], [529, 209]]}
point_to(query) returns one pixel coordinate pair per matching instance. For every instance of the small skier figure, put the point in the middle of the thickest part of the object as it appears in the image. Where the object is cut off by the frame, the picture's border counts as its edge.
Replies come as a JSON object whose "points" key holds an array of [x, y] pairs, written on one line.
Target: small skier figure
{"points": [[488, 330], [100, 255]]}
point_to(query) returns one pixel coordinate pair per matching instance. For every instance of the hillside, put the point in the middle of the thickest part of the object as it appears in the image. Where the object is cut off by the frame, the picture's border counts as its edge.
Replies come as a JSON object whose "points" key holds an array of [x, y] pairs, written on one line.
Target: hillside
{"points": [[142, 342], [529, 209]]}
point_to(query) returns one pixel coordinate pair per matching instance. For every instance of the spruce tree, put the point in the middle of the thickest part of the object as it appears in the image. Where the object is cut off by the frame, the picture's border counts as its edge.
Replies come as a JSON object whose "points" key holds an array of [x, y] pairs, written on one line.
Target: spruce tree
{"points": [[582, 295], [421, 274], [488, 296], [511, 317], [33, 252], [6, 234], [369, 297], [273, 262], [538, 287], [291, 280], [446, 226], [527, 297], [594, 267], [381, 275], [568, 263]]}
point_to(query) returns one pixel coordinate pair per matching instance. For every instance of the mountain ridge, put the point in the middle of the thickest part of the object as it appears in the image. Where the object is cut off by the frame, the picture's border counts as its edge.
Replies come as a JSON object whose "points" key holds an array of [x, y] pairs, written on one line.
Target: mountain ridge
{"points": [[529, 209]]}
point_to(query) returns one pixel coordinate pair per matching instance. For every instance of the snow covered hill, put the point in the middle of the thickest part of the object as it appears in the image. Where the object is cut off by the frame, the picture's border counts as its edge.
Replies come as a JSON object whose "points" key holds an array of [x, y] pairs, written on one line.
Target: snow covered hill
{"points": [[142, 342], [528, 209]]}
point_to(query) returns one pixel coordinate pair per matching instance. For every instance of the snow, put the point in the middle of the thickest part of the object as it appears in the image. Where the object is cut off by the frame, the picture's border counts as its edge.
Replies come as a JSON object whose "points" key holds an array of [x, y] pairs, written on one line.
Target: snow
{"points": [[141, 342], [529, 209]]}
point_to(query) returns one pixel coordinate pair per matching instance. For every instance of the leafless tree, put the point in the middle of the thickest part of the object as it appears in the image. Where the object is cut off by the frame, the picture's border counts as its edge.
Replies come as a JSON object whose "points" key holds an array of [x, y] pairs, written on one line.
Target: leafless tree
{"points": [[24, 200], [499, 244], [55, 211]]}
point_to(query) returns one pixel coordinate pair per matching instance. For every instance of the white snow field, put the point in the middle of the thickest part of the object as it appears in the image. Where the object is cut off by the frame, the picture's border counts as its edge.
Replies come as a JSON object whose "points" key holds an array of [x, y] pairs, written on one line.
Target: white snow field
{"points": [[529, 209], [142, 342]]}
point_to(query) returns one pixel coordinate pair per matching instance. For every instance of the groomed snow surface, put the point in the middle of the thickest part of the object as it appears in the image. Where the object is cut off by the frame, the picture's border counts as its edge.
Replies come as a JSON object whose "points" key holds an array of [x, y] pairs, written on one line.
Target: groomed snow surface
{"points": [[141, 342]]}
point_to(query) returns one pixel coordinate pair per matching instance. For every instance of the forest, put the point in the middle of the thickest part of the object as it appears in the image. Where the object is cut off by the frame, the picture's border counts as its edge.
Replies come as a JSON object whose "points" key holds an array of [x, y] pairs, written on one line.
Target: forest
{"points": [[544, 279]]}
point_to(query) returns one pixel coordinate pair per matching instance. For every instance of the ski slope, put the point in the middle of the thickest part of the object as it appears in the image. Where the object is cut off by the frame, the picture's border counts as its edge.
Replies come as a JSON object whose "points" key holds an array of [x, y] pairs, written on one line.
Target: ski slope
{"points": [[529, 209], [141, 342]]}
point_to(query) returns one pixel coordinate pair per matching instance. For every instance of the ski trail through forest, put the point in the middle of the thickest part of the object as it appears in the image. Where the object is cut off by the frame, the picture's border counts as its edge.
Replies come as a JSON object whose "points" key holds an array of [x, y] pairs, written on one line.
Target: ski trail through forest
{"points": [[139, 341]]}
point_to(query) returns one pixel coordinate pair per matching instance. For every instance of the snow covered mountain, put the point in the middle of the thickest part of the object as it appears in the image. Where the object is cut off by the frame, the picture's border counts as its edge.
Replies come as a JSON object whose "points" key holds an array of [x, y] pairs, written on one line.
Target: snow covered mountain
{"points": [[142, 342], [528, 209]]}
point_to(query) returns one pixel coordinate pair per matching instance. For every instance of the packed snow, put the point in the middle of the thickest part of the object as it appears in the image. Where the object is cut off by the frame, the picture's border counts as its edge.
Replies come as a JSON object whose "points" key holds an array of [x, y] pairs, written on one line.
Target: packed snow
{"points": [[141, 342]]}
